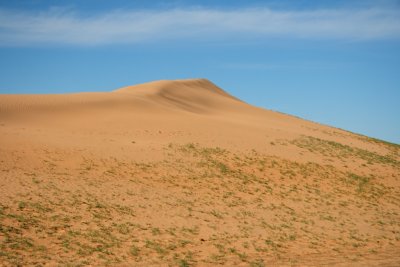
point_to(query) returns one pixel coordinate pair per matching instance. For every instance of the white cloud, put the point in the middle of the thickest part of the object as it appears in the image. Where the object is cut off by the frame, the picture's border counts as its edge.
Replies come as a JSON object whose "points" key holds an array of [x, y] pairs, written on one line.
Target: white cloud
{"points": [[121, 26]]}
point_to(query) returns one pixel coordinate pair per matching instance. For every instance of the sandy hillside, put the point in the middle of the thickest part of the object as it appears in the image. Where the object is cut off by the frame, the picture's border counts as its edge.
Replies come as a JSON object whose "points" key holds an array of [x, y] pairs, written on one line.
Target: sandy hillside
{"points": [[180, 173]]}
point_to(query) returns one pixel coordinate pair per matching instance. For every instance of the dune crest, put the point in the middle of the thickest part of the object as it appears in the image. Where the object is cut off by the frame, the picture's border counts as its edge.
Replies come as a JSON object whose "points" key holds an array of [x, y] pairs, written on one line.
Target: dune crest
{"points": [[192, 95], [164, 87]]}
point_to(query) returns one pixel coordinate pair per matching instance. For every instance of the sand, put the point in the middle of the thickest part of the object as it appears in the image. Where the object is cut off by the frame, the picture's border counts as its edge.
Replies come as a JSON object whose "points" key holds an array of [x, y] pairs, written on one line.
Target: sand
{"points": [[181, 173]]}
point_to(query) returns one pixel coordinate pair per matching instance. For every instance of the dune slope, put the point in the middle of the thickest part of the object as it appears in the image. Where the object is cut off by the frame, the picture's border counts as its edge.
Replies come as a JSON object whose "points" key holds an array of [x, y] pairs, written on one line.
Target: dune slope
{"points": [[181, 173]]}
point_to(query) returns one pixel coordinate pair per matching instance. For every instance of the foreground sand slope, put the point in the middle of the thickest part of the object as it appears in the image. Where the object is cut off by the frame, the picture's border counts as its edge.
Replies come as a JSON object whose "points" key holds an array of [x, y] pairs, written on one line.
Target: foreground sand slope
{"points": [[182, 173]]}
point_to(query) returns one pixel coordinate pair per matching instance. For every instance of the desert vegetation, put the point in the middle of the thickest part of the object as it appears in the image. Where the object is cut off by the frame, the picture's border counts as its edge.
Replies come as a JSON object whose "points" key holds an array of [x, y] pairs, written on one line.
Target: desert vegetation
{"points": [[201, 206]]}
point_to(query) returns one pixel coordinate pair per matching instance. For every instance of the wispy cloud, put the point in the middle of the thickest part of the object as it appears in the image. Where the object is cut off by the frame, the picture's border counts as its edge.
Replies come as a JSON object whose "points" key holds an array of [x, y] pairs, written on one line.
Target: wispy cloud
{"points": [[121, 26]]}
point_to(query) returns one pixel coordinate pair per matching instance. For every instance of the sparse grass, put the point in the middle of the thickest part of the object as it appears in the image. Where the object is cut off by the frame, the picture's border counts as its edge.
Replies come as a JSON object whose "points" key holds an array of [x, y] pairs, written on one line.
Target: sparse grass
{"points": [[341, 151], [257, 263], [382, 142], [134, 250], [247, 208], [156, 247], [217, 214], [361, 181]]}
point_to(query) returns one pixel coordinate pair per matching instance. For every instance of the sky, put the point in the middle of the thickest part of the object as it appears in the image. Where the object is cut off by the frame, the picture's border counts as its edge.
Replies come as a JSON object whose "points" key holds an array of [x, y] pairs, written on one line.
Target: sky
{"points": [[332, 62]]}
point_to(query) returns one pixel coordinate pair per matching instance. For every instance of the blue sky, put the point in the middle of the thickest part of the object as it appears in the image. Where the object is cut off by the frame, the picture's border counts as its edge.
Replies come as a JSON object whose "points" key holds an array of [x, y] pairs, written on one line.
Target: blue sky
{"points": [[333, 62]]}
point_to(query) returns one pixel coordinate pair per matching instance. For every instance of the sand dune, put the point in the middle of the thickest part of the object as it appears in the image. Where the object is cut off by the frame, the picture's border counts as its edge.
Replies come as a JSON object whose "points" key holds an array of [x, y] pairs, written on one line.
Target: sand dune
{"points": [[202, 111], [195, 96], [182, 173]]}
